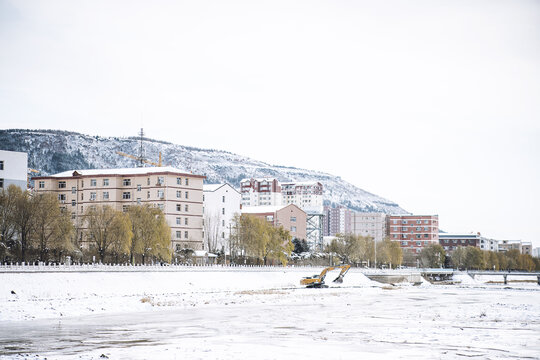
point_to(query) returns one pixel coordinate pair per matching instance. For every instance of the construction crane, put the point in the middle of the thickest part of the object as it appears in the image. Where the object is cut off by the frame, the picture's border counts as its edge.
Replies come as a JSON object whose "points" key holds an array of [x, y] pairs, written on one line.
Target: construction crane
{"points": [[317, 281], [142, 160]]}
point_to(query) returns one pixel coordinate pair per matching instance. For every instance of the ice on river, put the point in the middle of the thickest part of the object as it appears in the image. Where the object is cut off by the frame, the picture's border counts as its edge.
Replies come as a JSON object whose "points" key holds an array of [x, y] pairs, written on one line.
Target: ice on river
{"points": [[260, 315]]}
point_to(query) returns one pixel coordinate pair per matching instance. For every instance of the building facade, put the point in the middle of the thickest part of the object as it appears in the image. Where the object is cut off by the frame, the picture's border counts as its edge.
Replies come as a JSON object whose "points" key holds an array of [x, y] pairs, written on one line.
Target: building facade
{"points": [[13, 169], [489, 244], [413, 232], [260, 192], [177, 193], [337, 220], [506, 245], [451, 242], [221, 203], [291, 217], [308, 196], [372, 225]]}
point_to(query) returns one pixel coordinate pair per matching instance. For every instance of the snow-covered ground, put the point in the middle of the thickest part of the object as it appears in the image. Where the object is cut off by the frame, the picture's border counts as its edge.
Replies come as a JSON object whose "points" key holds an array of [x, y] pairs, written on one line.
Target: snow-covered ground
{"points": [[216, 314]]}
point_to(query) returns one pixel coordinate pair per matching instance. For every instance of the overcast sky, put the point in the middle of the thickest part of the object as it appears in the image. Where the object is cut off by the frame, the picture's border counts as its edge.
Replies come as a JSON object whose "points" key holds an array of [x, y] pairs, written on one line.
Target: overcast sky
{"points": [[432, 104]]}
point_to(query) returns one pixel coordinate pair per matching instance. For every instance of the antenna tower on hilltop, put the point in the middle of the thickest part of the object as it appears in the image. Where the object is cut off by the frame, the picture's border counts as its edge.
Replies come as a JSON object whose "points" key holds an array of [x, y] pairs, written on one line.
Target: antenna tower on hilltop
{"points": [[141, 159]]}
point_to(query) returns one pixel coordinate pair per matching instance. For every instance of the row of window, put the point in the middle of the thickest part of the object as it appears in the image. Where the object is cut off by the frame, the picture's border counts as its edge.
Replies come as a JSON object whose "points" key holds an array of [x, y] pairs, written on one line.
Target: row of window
{"points": [[179, 234], [405, 236], [125, 182], [412, 222], [406, 229], [411, 243]]}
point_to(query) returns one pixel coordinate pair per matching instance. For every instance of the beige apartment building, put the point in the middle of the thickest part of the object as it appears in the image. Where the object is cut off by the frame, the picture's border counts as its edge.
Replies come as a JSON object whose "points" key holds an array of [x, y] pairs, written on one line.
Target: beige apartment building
{"points": [[177, 193], [291, 217]]}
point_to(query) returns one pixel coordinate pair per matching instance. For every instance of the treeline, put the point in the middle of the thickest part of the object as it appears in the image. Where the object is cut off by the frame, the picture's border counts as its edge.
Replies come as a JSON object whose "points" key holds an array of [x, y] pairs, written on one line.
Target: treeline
{"points": [[255, 240], [34, 228], [473, 258], [361, 251]]}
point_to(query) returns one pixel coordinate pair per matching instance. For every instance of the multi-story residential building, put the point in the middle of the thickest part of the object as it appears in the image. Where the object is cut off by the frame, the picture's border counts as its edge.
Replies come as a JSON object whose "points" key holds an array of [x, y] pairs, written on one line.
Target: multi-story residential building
{"points": [[369, 224], [489, 244], [13, 169], [291, 217], [505, 245], [526, 248], [337, 220], [450, 242], [221, 204], [260, 192], [536, 252], [413, 231], [177, 193], [308, 196]]}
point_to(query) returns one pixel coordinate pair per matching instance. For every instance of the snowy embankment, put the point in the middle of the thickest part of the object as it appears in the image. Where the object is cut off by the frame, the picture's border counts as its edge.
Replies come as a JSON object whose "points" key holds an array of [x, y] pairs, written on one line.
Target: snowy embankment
{"points": [[38, 295]]}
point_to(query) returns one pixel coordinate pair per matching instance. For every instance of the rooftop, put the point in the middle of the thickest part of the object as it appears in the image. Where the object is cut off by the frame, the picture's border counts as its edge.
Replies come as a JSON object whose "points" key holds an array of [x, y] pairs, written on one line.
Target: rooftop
{"points": [[123, 171]]}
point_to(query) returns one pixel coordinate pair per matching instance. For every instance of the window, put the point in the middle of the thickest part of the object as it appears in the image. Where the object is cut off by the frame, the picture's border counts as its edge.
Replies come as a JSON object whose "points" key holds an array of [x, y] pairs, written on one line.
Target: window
{"points": [[187, 195], [178, 207], [185, 221], [418, 236], [161, 207], [1, 164], [139, 187], [404, 243], [93, 182], [426, 235], [404, 222], [105, 182], [93, 196], [404, 229], [62, 197], [223, 211], [82, 183], [418, 243], [178, 247], [126, 182], [73, 203], [178, 221], [82, 196], [223, 198], [394, 222], [404, 236], [72, 216], [160, 180], [105, 195], [73, 190], [223, 235], [178, 194], [418, 221], [41, 184], [148, 194], [187, 182], [61, 184], [186, 208], [426, 221], [293, 228], [160, 194], [222, 222], [395, 236], [126, 195], [418, 229], [82, 209], [293, 219], [148, 181], [185, 234], [125, 208], [178, 235], [178, 181], [138, 201]]}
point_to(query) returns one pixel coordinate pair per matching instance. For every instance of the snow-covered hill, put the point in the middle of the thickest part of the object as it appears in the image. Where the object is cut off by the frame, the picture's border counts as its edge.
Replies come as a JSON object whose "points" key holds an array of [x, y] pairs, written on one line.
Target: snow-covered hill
{"points": [[52, 151]]}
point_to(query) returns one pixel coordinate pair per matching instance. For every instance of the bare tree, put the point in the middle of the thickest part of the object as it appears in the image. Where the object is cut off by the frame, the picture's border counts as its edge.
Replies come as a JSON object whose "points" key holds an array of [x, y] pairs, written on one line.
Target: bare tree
{"points": [[108, 229], [211, 230], [8, 204]]}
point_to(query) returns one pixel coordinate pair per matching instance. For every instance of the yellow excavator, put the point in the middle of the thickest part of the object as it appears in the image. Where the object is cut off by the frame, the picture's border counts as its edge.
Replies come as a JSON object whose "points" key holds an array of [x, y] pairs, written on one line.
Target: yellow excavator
{"points": [[317, 281]]}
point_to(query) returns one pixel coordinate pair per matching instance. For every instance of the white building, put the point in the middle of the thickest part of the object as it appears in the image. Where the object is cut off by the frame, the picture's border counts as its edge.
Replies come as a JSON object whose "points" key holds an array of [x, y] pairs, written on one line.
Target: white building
{"points": [[489, 244], [13, 169], [221, 204], [260, 192], [372, 225], [308, 196]]}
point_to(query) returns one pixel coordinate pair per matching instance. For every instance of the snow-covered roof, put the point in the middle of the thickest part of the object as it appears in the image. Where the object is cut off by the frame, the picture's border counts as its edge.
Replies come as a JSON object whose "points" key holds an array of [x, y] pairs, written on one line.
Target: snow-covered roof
{"points": [[202, 253], [122, 171], [264, 209], [302, 183], [214, 187]]}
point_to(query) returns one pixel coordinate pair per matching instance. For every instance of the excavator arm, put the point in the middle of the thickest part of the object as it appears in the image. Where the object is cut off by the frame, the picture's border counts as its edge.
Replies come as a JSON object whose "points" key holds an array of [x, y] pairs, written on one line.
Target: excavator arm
{"points": [[318, 280]]}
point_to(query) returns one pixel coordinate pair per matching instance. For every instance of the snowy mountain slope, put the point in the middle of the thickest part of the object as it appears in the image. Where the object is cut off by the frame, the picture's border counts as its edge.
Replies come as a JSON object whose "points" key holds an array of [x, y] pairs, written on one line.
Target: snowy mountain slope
{"points": [[52, 151]]}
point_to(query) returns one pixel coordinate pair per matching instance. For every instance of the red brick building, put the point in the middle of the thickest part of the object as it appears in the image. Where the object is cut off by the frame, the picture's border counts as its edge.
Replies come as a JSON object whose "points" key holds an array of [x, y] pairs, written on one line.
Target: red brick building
{"points": [[413, 231]]}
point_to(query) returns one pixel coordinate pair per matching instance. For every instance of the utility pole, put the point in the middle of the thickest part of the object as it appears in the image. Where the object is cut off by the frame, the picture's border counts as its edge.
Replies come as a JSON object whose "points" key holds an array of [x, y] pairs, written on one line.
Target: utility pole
{"points": [[141, 153], [375, 244]]}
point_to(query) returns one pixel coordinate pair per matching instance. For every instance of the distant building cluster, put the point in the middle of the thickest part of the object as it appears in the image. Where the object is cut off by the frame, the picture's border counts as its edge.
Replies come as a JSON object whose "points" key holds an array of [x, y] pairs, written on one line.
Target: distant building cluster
{"points": [[201, 214]]}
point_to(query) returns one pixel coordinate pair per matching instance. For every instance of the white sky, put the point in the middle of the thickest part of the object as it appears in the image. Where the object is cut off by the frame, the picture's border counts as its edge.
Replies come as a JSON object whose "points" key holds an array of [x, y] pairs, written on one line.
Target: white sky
{"points": [[432, 104]]}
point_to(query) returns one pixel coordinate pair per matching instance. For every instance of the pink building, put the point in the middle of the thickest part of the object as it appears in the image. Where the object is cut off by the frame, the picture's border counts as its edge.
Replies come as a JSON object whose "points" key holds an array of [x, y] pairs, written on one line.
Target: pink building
{"points": [[260, 192], [414, 231]]}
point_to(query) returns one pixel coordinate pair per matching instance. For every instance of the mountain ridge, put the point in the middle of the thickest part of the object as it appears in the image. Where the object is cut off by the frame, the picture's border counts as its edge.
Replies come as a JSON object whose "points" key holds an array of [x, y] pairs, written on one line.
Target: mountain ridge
{"points": [[53, 151]]}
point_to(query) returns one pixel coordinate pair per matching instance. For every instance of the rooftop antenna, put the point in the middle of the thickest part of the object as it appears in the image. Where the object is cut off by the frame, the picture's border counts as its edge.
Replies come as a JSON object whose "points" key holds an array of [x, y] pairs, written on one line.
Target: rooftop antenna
{"points": [[141, 149]]}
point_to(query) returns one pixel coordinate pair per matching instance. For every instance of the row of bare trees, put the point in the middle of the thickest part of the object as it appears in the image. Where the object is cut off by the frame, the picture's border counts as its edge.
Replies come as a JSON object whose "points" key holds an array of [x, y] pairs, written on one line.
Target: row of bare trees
{"points": [[33, 227], [362, 250]]}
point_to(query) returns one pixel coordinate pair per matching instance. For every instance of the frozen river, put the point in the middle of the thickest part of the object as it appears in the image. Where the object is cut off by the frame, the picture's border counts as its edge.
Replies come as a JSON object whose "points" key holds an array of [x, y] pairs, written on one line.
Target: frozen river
{"points": [[367, 321]]}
